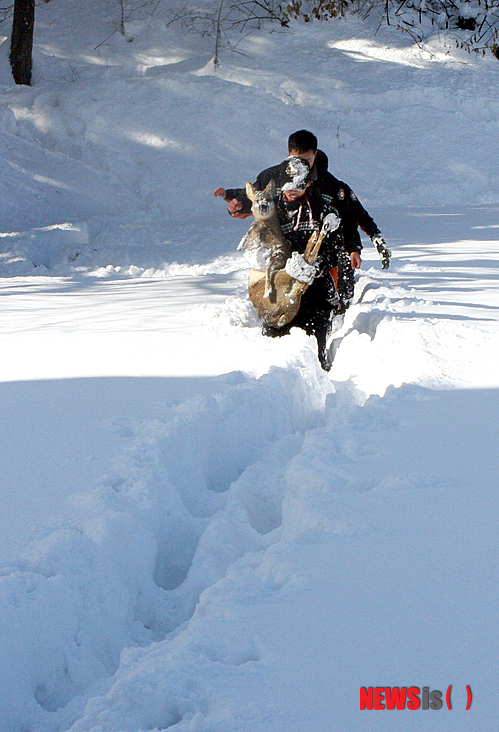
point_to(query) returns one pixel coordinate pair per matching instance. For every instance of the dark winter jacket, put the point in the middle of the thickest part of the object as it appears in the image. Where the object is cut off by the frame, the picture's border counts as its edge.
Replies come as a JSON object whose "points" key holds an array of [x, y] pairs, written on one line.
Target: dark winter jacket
{"points": [[352, 207], [300, 218], [332, 288]]}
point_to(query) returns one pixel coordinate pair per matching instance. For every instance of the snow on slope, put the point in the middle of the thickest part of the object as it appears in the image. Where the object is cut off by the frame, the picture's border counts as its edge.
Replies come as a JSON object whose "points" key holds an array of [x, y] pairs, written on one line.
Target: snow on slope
{"points": [[201, 530]]}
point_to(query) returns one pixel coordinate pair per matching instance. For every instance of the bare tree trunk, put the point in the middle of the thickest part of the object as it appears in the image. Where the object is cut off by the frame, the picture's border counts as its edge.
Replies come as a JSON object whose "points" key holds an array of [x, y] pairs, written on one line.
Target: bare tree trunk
{"points": [[122, 17], [216, 58], [21, 43]]}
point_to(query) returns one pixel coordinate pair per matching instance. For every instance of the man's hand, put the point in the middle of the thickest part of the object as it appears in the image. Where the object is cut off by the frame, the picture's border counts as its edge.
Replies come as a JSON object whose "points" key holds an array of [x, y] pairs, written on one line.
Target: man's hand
{"points": [[234, 208], [234, 205], [355, 260], [383, 251], [301, 270]]}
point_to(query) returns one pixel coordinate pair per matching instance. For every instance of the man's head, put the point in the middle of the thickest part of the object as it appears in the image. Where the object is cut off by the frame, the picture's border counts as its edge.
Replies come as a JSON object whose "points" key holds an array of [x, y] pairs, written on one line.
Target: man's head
{"points": [[304, 145], [294, 177]]}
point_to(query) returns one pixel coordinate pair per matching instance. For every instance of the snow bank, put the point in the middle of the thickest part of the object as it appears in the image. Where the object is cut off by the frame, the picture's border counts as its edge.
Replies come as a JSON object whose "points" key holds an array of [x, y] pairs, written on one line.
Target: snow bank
{"points": [[334, 593], [170, 520]]}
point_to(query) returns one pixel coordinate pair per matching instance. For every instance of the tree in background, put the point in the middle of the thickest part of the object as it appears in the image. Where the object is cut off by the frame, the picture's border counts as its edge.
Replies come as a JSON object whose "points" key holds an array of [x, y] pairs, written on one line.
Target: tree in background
{"points": [[134, 10], [129, 11], [21, 42], [226, 20]]}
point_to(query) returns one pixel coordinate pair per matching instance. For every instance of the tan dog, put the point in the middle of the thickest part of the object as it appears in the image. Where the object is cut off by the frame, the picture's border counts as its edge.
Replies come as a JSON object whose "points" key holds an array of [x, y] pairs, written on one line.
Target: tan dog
{"points": [[265, 232], [289, 290]]}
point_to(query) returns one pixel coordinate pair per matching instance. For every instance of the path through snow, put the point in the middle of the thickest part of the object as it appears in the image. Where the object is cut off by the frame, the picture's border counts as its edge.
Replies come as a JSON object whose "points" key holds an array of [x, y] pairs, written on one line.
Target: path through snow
{"points": [[167, 594]]}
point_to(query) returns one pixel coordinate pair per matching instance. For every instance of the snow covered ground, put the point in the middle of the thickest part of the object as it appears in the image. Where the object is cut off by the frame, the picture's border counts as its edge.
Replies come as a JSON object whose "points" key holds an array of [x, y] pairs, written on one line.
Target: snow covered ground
{"points": [[201, 530]]}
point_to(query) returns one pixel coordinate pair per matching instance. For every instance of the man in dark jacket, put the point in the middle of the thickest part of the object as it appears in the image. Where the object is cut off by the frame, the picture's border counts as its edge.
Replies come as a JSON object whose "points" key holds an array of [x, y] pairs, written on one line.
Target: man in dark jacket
{"points": [[302, 209], [304, 144]]}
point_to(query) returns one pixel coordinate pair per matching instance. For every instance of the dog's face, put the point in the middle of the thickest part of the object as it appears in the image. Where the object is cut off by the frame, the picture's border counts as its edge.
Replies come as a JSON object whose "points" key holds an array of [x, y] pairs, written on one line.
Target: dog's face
{"points": [[263, 205]]}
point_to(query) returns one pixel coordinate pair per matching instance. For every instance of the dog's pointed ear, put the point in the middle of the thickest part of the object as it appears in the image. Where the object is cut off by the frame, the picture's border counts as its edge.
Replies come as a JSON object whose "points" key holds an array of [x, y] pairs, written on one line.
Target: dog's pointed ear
{"points": [[250, 191], [271, 189]]}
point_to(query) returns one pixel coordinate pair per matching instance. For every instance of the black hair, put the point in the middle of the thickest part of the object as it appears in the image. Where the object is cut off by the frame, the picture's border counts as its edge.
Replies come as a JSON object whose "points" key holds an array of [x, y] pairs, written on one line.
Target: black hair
{"points": [[302, 141]]}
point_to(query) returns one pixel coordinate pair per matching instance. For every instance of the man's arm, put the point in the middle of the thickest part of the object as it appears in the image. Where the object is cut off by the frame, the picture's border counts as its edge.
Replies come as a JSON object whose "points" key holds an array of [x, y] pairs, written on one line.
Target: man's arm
{"points": [[353, 206], [238, 207], [241, 203], [367, 224], [363, 219], [351, 234]]}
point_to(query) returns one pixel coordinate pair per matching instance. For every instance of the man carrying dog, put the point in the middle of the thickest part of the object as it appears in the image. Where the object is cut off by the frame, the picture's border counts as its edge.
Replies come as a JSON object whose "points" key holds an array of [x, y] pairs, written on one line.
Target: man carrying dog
{"points": [[302, 208], [304, 145]]}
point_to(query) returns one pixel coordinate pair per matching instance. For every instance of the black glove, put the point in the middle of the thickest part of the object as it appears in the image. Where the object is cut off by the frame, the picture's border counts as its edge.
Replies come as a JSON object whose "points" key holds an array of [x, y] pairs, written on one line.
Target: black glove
{"points": [[383, 250]]}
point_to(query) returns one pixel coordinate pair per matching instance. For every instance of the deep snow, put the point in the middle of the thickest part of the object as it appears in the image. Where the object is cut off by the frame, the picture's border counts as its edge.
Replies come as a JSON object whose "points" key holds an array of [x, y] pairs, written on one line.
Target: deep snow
{"points": [[201, 530]]}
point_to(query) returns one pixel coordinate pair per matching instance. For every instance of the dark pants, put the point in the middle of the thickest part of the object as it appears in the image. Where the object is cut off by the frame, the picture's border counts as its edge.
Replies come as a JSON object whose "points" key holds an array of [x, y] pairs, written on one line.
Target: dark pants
{"points": [[319, 304], [324, 299]]}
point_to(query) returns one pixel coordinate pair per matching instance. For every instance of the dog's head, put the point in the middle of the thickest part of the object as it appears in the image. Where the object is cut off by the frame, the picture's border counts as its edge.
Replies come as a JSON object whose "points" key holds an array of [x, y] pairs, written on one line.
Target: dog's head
{"points": [[263, 204]]}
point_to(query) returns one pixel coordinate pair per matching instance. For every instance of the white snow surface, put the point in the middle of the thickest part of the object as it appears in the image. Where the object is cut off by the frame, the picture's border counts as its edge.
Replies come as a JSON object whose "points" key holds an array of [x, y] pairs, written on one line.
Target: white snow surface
{"points": [[202, 531]]}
